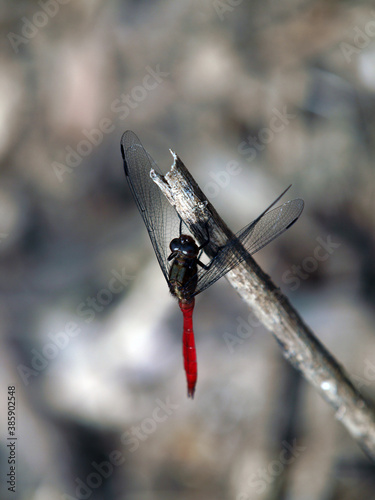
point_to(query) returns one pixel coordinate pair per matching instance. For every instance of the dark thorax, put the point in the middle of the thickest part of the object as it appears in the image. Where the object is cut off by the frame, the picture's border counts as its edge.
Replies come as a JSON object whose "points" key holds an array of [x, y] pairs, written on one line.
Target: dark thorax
{"points": [[183, 273]]}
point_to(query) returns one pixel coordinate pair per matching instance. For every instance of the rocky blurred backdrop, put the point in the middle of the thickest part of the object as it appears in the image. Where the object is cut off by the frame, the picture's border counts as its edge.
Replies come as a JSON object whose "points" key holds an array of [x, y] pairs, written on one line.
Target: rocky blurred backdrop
{"points": [[253, 96]]}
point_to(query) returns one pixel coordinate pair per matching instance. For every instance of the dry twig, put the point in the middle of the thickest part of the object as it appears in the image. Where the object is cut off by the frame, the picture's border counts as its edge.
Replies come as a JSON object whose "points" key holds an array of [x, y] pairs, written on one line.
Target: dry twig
{"points": [[298, 344]]}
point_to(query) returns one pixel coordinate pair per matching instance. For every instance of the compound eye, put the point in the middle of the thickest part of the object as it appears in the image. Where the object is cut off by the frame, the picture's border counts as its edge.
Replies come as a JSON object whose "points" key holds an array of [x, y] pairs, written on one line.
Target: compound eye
{"points": [[175, 245], [190, 250]]}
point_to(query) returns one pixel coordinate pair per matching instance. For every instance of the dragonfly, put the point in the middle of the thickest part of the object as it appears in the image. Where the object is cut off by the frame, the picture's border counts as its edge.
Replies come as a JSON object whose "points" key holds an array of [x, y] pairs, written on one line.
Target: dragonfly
{"points": [[178, 253]]}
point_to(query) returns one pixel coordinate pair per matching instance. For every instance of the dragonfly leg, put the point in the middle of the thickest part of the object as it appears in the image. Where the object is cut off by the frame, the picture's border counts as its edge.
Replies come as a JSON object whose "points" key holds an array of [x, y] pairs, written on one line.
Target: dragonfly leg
{"points": [[172, 256], [205, 243], [206, 267]]}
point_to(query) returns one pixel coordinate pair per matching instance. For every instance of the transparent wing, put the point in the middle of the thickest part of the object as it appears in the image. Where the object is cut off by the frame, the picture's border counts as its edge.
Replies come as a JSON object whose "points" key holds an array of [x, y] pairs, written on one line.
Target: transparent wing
{"points": [[268, 226], [159, 216], [257, 235], [162, 221]]}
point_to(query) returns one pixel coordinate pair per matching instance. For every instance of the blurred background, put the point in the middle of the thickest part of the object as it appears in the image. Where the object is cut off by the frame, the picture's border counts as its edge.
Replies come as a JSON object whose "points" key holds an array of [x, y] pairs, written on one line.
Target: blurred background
{"points": [[253, 96]]}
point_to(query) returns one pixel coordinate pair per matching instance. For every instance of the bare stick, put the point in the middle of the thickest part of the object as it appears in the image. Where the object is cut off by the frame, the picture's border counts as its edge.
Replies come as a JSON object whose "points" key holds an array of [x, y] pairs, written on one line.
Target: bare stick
{"points": [[298, 344]]}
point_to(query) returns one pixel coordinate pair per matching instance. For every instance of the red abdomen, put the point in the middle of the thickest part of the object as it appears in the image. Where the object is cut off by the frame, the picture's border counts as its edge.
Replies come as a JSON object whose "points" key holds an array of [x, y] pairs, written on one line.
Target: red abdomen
{"points": [[188, 346]]}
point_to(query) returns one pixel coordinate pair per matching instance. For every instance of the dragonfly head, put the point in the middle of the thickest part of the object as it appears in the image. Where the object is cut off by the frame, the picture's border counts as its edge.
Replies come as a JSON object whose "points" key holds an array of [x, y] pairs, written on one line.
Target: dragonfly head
{"points": [[186, 245]]}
